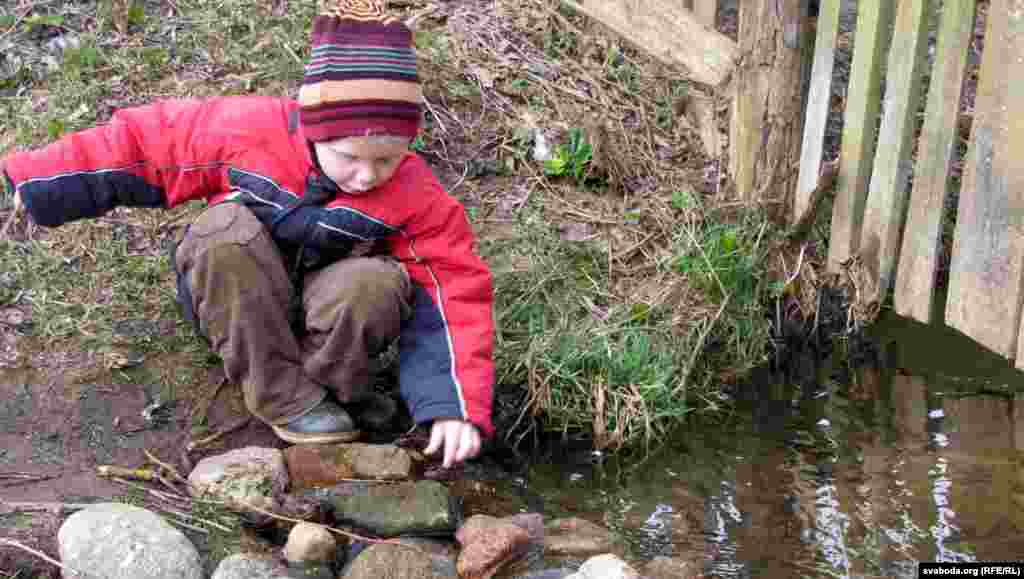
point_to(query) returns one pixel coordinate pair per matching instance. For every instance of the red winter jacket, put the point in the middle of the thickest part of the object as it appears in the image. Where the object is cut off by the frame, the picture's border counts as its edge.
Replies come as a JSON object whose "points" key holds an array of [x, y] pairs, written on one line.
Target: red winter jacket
{"points": [[252, 150]]}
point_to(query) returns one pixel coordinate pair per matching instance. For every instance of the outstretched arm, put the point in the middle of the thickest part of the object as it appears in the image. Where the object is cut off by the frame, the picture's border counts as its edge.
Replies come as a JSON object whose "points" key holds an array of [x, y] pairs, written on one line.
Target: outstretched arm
{"points": [[156, 155]]}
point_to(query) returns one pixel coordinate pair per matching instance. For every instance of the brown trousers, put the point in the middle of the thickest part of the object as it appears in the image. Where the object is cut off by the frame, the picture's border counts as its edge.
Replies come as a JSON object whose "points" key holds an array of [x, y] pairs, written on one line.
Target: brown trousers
{"points": [[240, 292]]}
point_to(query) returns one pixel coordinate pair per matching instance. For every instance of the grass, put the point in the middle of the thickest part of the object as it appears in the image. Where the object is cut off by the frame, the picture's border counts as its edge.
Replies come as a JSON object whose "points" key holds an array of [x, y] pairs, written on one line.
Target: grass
{"points": [[625, 288]]}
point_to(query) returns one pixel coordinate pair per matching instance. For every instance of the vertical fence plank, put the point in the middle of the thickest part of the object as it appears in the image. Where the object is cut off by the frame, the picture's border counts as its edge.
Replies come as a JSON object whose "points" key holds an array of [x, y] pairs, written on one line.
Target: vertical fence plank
{"points": [[818, 105], [887, 194], [986, 273], [863, 104], [915, 281]]}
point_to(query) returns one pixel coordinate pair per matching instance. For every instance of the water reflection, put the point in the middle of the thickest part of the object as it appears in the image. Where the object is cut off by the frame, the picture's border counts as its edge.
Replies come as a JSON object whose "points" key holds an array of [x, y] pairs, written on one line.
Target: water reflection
{"points": [[903, 463]]}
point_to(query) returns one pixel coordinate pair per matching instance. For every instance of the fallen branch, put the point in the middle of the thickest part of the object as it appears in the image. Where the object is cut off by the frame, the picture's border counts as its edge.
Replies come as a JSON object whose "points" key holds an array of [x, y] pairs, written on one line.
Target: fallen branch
{"points": [[113, 471], [7, 508], [173, 471], [42, 556], [348, 534], [7, 224], [217, 435], [23, 478]]}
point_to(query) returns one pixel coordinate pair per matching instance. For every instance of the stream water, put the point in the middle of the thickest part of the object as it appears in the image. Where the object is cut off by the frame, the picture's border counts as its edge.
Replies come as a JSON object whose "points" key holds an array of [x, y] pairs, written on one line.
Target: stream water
{"points": [[917, 457]]}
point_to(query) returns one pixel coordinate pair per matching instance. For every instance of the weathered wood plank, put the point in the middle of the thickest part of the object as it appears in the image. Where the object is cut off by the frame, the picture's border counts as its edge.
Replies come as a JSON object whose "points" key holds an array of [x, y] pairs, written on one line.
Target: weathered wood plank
{"points": [[818, 105], [863, 103], [887, 194], [669, 32], [919, 257], [706, 12], [764, 148], [986, 272]]}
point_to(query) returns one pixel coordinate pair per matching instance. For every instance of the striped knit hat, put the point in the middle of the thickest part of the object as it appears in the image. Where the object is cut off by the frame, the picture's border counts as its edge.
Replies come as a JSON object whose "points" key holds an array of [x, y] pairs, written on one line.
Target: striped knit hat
{"points": [[361, 78]]}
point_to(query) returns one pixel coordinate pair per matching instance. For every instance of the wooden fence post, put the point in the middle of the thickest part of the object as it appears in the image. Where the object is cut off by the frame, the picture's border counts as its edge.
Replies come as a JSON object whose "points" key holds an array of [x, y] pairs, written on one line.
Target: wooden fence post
{"points": [[914, 296], [887, 195], [987, 268], [863, 103], [766, 115], [819, 104]]}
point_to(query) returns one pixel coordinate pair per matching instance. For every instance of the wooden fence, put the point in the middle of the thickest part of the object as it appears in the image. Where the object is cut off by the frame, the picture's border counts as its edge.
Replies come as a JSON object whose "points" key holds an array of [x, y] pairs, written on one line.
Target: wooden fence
{"points": [[706, 11], [891, 201]]}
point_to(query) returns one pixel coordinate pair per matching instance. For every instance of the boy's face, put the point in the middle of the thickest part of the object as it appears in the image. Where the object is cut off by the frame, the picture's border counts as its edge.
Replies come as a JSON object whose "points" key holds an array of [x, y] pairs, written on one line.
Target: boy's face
{"points": [[358, 164]]}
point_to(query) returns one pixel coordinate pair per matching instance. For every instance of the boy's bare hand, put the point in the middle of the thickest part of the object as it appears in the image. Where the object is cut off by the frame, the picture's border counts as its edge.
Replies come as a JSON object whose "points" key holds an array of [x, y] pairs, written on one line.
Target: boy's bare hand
{"points": [[460, 440]]}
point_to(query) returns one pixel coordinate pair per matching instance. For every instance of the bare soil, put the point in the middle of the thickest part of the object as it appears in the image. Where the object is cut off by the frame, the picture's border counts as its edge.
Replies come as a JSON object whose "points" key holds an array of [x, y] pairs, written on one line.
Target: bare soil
{"points": [[59, 434]]}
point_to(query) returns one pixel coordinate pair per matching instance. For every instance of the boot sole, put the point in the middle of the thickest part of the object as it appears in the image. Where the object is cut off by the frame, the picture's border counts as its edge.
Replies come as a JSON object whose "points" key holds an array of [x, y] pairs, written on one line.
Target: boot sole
{"points": [[316, 438]]}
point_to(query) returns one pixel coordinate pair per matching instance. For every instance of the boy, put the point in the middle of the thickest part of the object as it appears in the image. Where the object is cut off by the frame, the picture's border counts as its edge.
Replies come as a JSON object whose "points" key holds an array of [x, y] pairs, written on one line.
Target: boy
{"points": [[325, 238]]}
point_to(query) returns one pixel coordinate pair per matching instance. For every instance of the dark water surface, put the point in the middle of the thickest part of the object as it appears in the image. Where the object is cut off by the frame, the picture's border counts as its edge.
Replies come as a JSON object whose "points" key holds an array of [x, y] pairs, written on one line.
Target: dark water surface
{"points": [[915, 458]]}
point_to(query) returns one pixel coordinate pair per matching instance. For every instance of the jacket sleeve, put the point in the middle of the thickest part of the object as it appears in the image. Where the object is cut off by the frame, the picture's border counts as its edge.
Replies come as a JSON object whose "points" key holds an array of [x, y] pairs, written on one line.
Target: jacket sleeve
{"points": [[446, 348], [145, 157]]}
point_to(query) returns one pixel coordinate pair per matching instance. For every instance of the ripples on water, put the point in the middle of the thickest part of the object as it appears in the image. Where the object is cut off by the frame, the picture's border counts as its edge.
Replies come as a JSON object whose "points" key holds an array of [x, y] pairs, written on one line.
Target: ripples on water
{"points": [[918, 459]]}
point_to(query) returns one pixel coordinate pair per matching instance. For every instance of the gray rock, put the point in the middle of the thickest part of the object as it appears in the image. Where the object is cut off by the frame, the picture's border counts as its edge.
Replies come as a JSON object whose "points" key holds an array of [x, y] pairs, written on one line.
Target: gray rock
{"points": [[242, 566], [387, 561], [118, 541], [422, 507], [605, 566], [250, 475]]}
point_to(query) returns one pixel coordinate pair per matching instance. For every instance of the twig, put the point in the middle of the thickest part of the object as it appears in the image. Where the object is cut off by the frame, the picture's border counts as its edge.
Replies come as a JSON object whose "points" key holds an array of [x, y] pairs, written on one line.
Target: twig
{"points": [[216, 435], [42, 556], [185, 460], [170, 486], [55, 508], [112, 471], [700, 346], [799, 265], [461, 179], [327, 528], [169, 468], [25, 479], [292, 53], [188, 526], [434, 114], [184, 515], [163, 496], [10, 220]]}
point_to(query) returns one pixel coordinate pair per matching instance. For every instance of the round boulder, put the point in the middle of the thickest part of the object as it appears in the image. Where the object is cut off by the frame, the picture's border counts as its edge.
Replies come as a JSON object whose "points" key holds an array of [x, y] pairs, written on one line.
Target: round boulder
{"points": [[118, 541]]}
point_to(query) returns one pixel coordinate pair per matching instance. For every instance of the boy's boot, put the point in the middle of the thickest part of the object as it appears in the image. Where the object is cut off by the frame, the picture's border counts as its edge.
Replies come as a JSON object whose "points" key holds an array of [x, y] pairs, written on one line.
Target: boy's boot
{"points": [[325, 423]]}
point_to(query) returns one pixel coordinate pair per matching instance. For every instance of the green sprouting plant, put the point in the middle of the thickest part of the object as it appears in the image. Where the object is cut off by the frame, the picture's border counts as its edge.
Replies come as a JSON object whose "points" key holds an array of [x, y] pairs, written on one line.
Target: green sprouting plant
{"points": [[572, 158], [137, 14], [720, 263], [80, 61], [434, 45], [419, 144], [682, 200], [37, 21]]}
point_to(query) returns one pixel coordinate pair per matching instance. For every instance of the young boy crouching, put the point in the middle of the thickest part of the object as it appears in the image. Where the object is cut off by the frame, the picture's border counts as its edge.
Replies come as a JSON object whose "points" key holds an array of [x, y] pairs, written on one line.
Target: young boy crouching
{"points": [[325, 239]]}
